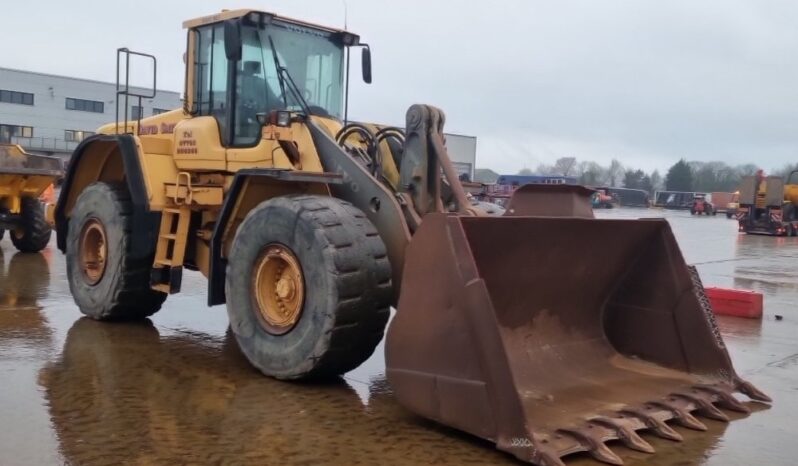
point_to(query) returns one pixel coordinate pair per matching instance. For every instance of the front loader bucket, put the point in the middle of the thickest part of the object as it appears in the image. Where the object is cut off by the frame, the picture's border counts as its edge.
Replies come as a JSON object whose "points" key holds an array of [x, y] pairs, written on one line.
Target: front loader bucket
{"points": [[553, 335]]}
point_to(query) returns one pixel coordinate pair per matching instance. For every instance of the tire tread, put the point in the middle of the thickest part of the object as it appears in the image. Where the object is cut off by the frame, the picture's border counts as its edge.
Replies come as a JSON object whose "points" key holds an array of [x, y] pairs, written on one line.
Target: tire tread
{"points": [[36, 230], [133, 298]]}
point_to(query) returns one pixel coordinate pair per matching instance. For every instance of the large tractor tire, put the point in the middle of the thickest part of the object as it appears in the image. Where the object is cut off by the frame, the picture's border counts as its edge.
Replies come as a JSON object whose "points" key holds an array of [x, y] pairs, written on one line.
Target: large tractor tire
{"points": [[33, 232], [106, 281], [308, 287]]}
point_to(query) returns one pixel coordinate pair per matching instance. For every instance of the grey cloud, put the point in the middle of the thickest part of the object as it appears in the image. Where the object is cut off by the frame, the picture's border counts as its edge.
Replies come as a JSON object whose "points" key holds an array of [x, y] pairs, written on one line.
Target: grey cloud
{"points": [[647, 82]]}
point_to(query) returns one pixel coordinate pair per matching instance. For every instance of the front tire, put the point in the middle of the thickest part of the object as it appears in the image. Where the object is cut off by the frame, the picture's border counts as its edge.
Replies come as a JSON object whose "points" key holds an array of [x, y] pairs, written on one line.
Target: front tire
{"points": [[106, 280], [34, 232], [308, 287]]}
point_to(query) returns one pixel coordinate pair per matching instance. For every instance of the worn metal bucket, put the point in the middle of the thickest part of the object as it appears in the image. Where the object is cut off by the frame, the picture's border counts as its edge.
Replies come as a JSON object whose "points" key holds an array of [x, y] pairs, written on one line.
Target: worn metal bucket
{"points": [[551, 332]]}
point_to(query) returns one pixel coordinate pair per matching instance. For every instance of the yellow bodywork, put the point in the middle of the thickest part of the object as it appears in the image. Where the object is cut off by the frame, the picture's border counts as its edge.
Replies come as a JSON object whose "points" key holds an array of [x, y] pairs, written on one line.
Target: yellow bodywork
{"points": [[791, 193], [18, 180], [187, 171]]}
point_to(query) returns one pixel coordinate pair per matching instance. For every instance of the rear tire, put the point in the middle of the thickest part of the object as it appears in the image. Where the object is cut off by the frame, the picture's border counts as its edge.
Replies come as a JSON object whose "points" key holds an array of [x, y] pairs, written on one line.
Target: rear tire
{"points": [[34, 232], [344, 277], [106, 281]]}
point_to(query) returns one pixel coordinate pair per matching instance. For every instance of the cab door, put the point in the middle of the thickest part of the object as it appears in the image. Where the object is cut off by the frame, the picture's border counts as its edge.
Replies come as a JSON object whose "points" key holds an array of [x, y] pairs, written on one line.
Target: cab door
{"points": [[199, 141]]}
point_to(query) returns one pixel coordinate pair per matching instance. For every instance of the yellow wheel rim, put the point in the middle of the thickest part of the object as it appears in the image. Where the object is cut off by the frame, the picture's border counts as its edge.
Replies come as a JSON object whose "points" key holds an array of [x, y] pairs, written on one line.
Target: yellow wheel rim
{"points": [[279, 288], [93, 251]]}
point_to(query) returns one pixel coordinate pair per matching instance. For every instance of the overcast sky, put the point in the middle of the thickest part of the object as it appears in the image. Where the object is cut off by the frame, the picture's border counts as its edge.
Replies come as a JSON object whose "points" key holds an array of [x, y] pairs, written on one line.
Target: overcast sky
{"points": [[647, 82]]}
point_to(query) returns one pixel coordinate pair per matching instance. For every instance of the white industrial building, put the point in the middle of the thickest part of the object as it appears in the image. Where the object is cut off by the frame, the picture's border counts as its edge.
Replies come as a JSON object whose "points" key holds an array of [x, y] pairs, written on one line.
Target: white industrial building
{"points": [[51, 114], [463, 152]]}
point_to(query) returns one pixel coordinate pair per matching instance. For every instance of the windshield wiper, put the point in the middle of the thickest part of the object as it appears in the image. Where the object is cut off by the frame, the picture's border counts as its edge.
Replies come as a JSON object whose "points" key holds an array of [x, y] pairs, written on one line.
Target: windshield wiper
{"points": [[284, 76], [277, 67]]}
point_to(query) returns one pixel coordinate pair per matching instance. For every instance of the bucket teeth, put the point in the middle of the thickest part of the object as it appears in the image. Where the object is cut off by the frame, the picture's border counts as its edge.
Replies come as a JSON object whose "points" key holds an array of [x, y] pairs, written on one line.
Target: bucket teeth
{"points": [[681, 415], [547, 458], [603, 453], [752, 392], [594, 446], [705, 407], [725, 399], [657, 426], [625, 434]]}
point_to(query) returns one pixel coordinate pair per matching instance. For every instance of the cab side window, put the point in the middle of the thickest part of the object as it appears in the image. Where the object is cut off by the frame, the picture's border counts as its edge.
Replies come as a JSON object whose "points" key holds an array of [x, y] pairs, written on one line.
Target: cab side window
{"points": [[210, 74]]}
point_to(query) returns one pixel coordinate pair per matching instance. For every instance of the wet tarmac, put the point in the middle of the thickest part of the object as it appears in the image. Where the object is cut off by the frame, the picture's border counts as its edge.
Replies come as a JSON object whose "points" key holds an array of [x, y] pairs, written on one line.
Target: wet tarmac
{"points": [[176, 390]]}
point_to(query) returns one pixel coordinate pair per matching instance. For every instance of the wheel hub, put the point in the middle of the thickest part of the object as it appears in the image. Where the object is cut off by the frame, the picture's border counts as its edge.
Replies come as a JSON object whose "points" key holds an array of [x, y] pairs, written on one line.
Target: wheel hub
{"points": [[279, 288], [286, 288], [93, 251]]}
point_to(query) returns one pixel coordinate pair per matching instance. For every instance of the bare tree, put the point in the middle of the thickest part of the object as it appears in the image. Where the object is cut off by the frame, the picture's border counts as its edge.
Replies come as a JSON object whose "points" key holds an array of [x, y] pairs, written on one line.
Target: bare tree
{"points": [[591, 173], [614, 173], [564, 165], [656, 181]]}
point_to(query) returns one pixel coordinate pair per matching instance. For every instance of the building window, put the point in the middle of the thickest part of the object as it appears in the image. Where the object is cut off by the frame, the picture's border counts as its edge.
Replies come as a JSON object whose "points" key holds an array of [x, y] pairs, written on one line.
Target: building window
{"points": [[71, 135], [14, 97], [158, 111], [85, 105], [14, 131]]}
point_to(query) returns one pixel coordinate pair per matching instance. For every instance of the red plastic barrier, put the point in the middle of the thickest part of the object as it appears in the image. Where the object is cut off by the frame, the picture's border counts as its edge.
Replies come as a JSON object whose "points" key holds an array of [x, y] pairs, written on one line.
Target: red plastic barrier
{"points": [[738, 303]]}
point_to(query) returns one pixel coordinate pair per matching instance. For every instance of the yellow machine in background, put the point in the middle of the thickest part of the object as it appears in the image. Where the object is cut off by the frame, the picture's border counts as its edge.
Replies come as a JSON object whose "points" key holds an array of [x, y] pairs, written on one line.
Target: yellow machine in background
{"points": [[544, 330], [23, 179], [768, 205]]}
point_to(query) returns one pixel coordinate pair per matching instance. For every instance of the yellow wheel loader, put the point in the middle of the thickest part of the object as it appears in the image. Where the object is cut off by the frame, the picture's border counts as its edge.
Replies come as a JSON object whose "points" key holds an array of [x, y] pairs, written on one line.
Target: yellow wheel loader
{"points": [[514, 328], [23, 179]]}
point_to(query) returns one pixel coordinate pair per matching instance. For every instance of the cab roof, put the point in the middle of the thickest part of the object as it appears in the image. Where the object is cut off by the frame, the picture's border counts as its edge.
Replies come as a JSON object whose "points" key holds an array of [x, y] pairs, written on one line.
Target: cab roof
{"points": [[231, 14]]}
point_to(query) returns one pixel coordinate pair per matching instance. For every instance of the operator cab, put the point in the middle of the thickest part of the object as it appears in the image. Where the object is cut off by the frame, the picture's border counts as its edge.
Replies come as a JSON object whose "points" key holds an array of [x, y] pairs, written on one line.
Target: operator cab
{"points": [[244, 65]]}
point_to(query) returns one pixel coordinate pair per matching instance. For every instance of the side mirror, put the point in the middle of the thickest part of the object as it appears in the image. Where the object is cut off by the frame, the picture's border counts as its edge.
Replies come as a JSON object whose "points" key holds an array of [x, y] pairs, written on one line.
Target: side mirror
{"points": [[365, 59], [232, 39]]}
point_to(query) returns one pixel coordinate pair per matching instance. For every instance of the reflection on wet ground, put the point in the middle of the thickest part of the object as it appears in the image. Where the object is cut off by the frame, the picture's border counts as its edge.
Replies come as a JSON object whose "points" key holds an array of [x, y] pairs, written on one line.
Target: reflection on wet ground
{"points": [[176, 390]]}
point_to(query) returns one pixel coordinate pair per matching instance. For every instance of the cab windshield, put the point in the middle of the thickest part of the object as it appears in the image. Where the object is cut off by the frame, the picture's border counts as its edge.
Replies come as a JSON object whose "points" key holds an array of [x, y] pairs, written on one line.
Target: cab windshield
{"points": [[313, 61]]}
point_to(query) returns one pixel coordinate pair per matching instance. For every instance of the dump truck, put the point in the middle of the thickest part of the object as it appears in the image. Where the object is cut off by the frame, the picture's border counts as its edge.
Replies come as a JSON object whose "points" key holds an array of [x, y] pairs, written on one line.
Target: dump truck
{"points": [[23, 179], [768, 206], [310, 228]]}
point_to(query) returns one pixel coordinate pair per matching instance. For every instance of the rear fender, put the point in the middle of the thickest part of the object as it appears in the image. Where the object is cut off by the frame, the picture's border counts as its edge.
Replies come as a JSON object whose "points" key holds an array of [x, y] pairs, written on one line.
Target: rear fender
{"points": [[112, 159]]}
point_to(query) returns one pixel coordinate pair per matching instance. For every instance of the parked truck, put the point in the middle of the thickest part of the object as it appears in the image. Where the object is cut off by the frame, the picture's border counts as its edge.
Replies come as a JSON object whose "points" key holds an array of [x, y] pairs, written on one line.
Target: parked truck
{"points": [[702, 205], [768, 205]]}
